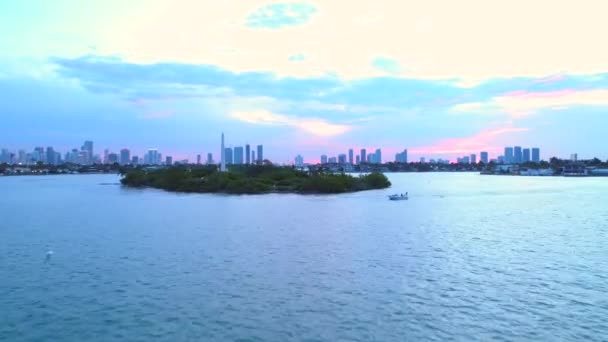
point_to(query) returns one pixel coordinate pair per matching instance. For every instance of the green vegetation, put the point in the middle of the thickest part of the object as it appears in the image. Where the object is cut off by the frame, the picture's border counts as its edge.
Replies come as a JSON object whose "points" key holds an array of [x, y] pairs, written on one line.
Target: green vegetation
{"points": [[255, 179]]}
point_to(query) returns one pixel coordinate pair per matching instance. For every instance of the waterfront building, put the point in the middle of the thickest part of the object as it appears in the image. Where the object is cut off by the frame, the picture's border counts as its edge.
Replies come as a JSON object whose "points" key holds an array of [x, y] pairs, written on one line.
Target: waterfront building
{"points": [[358, 159], [323, 159], [364, 156], [209, 158], [50, 156], [526, 155], [88, 147], [169, 160], [247, 154], [223, 156], [253, 160], [299, 161], [401, 157], [342, 158], [484, 157], [351, 156], [508, 157], [135, 160], [260, 149], [536, 155], [151, 158], [332, 160], [125, 156], [238, 155], [198, 159], [378, 156], [228, 156], [574, 157], [422, 160], [473, 158], [517, 156], [112, 158]]}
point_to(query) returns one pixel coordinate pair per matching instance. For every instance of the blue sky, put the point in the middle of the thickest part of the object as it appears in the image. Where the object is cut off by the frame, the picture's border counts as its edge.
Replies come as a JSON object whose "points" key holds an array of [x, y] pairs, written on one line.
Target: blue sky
{"points": [[306, 77]]}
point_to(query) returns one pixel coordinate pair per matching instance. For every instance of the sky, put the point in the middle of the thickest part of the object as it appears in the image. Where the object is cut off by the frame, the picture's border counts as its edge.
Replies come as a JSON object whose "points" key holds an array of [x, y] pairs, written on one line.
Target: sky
{"points": [[439, 78]]}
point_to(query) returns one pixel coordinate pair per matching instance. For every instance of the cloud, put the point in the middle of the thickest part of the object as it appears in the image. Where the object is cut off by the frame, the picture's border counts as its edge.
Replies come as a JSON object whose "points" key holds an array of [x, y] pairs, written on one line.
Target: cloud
{"points": [[522, 103], [387, 65], [297, 58], [482, 141], [314, 126], [275, 16], [158, 115]]}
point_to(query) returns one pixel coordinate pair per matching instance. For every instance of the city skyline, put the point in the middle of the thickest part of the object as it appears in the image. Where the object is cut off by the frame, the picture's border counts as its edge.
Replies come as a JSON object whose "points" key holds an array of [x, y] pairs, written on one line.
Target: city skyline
{"points": [[271, 73]]}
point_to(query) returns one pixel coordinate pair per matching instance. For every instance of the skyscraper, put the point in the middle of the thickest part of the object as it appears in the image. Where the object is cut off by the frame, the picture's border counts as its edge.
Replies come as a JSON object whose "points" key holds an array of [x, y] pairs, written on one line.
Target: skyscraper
{"points": [[223, 156], [198, 159], [473, 158], [358, 159], [517, 156], [247, 154], [323, 159], [260, 154], [350, 156], [484, 157], [378, 156], [125, 156], [363, 156], [536, 154], [50, 156], [151, 157], [253, 160], [169, 160], [526, 155], [209, 158], [342, 158], [88, 147], [238, 155], [299, 161], [401, 157], [228, 155], [508, 155]]}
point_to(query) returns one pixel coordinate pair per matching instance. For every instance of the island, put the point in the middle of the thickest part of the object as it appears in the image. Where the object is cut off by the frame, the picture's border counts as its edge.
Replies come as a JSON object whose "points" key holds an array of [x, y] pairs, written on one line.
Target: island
{"points": [[250, 179]]}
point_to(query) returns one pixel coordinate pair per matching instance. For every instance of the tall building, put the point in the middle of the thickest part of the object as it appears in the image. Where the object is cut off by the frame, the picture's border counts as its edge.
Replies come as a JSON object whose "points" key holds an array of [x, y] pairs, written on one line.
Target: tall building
{"points": [[342, 158], [260, 154], [363, 156], [574, 157], [358, 159], [517, 156], [198, 159], [209, 158], [536, 154], [169, 160], [525, 155], [378, 156], [135, 160], [323, 159], [473, 158], [106, 152], [332, 160], [401, 157], [228, 155], [508, 155], [112, 158], [299, 161], [350, 156], [223, 156], [247, 154], [50, 156], [238, 155], [253, 160], [125, 156], [484, 157], [152, 157], [88, 147]]}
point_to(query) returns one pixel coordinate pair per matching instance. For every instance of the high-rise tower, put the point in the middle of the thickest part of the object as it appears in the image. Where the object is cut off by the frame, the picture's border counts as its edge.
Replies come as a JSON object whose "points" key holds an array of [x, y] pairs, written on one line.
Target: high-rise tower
{"points": [[223, 156]]}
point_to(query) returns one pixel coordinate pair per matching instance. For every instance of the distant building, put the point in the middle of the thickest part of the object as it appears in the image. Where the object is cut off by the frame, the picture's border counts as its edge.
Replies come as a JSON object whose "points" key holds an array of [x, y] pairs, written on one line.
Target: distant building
{"points": [[247, 154], [198, 159], [238, 155], [501, 159], [342, 158], [50, 156], [536, 155], [88, 148], [299, 161], [112, 158], [125, 156], [135, 160], [351, 156], [574, 157], [151, 158], [378, 157], [422, 160], [517, 155], [473, 158], [209, 158], [484, 157], [169, 160], [228, 155], [401, 157], [253, 160], [363, 156], [525, 155], [332, 160], [358, 159], [260, 149], [508, 157], [223, 156], [323, 159]]}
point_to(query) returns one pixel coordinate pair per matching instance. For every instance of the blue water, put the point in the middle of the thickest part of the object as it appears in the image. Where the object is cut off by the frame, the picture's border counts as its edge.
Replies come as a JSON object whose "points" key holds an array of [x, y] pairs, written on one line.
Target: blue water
{"points": [[467, 258]]}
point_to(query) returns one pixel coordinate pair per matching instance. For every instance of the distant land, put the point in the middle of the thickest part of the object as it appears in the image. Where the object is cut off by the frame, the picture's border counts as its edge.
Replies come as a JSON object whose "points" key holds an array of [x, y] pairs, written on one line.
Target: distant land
{"points": [[251, 179]]}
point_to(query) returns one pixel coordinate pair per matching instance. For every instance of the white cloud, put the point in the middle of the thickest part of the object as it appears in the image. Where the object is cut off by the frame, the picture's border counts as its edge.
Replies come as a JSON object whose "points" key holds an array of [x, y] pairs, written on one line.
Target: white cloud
{"points": [[312, 126], [524, 103]]}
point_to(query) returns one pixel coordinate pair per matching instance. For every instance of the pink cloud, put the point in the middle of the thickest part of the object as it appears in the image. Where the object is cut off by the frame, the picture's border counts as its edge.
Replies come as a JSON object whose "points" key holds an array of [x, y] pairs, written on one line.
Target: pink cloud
{"points": [[158, 115], [482, 141], [550, 79]]}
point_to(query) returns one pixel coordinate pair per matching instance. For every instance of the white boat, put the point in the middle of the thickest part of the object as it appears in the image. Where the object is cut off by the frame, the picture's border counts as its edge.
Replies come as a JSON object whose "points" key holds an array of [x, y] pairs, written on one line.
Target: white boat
{"points": [[397, 197]]}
